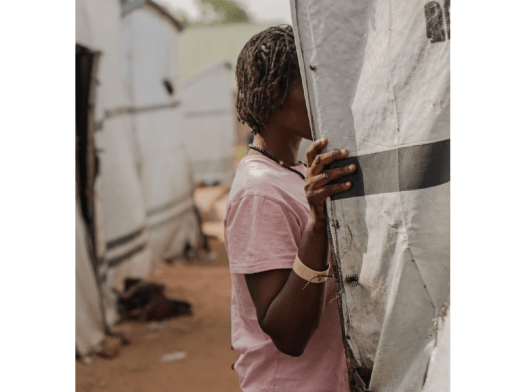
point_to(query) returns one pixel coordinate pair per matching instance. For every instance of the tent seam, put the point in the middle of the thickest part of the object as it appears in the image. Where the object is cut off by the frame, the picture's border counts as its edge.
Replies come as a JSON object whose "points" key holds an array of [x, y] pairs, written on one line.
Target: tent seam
{"points": [[398, 179]]}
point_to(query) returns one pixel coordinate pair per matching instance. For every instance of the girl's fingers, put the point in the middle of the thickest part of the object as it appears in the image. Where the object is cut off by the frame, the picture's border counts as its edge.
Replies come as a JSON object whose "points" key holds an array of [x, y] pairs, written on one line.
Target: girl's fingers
{"points": [[314, 149], [319, 195], [325, 177], [321, 160]]}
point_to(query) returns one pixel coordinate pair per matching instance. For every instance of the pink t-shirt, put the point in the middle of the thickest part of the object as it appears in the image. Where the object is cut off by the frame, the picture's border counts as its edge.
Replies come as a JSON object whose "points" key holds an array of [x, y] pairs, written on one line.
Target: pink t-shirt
{"points": [[266, 215]]}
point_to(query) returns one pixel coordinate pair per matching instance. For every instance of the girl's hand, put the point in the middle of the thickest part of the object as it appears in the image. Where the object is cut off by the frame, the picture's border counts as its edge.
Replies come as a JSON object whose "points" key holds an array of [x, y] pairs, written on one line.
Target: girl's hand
{"points": [[317, 180]]}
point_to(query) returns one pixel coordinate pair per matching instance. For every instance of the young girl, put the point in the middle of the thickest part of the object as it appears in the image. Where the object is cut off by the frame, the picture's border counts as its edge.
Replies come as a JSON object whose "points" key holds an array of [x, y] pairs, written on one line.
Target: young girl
{"points": [[285, 321]]}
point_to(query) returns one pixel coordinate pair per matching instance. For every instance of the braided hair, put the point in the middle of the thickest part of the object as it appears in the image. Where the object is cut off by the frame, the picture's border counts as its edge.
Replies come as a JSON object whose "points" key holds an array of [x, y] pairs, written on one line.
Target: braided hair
{"points": [[266, 68]]}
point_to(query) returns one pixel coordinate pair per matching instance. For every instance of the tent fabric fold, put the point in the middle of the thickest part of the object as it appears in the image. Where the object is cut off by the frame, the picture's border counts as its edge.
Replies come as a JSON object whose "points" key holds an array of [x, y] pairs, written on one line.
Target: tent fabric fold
{"points": [[119, 206], [88, 309]]}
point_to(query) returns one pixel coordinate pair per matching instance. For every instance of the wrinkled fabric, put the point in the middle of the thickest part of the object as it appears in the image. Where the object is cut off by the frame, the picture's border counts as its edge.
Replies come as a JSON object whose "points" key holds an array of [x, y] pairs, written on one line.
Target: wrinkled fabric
{"points": [[376, 75], [120, 210], [148, 54], [89, 321]]}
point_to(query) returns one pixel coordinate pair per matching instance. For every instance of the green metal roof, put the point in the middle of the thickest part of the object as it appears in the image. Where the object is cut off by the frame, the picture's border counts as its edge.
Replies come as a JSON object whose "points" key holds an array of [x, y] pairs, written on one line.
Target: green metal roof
{"points": [[200, 47]]}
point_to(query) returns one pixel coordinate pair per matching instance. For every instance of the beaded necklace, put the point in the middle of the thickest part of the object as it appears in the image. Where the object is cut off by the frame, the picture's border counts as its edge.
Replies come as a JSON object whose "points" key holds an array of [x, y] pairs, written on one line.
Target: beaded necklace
{"points": [[281, 163]]}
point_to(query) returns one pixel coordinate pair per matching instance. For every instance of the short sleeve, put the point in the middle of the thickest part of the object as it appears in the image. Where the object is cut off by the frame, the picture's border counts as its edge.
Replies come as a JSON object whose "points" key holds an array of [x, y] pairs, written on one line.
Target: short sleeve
{"points": [[261, 234]]}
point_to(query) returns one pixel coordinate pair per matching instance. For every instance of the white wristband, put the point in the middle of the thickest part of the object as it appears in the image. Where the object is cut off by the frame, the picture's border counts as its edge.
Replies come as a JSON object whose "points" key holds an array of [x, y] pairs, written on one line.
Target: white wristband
{"points": [[309, 274]]}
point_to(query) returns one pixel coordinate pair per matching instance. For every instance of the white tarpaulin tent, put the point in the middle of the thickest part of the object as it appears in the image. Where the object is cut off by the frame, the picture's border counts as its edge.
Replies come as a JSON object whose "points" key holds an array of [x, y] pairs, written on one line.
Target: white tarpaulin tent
{"points": [[89, 321], [122, 235], [376, 76], [148, 59], [89, 243], [210, 124]]}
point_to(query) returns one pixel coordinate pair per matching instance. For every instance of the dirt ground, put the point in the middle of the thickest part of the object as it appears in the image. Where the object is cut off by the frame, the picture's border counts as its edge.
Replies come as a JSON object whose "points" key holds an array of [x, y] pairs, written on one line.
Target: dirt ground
{"points": [[204, 337]]}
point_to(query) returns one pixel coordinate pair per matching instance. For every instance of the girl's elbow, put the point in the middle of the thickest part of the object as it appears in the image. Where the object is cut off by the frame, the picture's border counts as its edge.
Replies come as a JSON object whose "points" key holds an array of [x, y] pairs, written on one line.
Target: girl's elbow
{"points": [[291, 349], [284, 344], [288, 342]]}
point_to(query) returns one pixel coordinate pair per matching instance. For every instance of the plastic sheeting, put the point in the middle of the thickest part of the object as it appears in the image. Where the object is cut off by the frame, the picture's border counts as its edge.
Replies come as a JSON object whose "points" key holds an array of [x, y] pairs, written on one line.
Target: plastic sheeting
{"points": [[123, 225], [376, 75], [210, 124], [438, 374], [89, 322], [148, 59]]}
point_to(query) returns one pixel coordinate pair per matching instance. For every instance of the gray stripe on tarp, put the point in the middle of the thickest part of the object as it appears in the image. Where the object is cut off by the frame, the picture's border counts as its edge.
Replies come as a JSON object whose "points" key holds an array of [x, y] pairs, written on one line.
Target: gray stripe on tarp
{"points": [[207, 113], [124, 239], [403, 169], [125, 257], [134, 110]]}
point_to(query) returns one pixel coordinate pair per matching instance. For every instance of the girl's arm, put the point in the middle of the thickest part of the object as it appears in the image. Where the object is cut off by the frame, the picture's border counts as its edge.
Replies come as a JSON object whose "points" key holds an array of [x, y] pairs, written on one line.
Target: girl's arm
{"points": [[289, 309]]}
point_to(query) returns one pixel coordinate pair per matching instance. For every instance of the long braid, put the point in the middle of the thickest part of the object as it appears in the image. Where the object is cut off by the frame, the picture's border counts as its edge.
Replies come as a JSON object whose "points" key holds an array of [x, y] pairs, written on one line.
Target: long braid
{"points": [[266, 67]]}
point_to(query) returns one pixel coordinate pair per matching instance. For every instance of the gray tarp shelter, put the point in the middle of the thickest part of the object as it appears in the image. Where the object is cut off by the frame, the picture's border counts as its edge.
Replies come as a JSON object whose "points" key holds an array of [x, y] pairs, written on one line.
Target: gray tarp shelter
{"points": [[148, 58], [377, 79]]}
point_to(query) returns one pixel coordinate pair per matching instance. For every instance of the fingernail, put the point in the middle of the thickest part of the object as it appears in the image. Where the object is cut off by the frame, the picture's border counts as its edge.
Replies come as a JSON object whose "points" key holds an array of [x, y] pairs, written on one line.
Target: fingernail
{"points": [[345, 151], [324, 140], [351, 167], [348, 184]]}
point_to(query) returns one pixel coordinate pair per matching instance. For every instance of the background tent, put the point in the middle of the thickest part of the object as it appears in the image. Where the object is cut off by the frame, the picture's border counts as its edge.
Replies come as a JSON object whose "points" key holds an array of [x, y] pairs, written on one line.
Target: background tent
{"points": [[203, 46], [122, 237], [376, 78], [210, 124], [89, 318], [148, 58], [89, 321]]}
